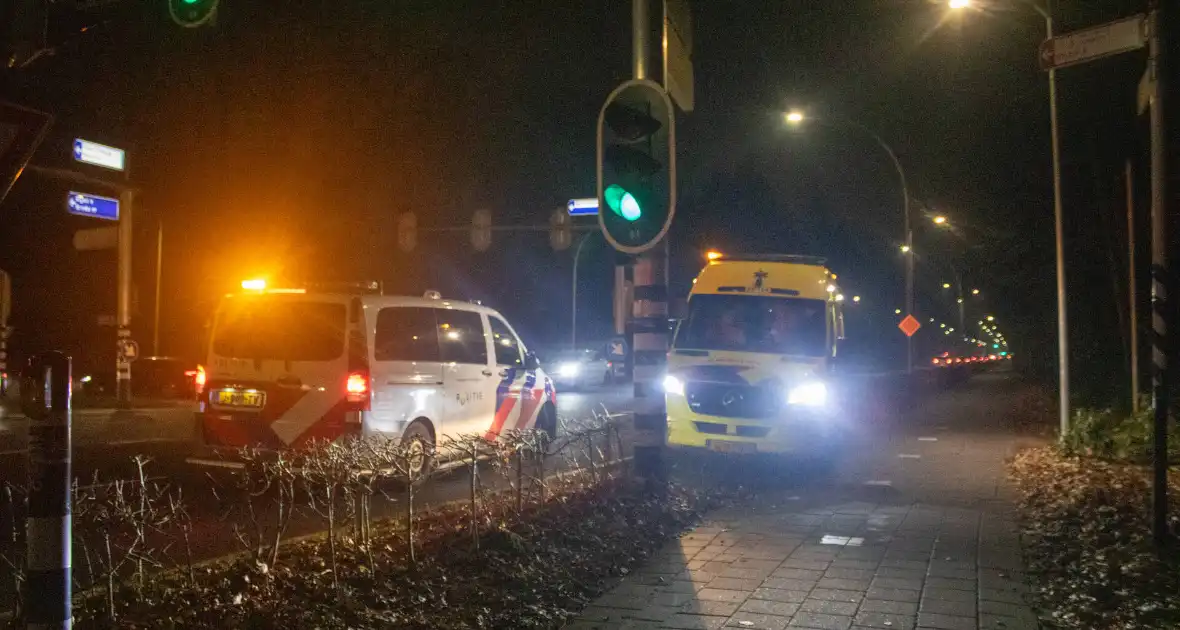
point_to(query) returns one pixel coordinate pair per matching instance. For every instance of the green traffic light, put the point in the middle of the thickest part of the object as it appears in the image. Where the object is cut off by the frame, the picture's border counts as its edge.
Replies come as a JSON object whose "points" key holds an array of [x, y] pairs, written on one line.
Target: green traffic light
{"points": [[622, 202], [190, 1]]}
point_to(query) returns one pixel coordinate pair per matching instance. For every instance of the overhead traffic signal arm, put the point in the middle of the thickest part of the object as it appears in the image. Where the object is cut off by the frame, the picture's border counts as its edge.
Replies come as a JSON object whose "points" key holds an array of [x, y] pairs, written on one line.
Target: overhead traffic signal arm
{"points": [[636, 166]]}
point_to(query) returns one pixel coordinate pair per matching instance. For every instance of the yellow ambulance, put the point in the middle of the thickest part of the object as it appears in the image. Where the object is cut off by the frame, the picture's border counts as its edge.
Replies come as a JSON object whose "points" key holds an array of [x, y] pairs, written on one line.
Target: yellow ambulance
{"points": [[750, 369]]}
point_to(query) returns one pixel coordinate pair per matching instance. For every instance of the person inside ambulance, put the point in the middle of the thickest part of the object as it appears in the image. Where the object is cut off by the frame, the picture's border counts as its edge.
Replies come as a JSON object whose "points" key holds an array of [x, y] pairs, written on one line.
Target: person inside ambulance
{"points": [[787, 328], [728, 333]]}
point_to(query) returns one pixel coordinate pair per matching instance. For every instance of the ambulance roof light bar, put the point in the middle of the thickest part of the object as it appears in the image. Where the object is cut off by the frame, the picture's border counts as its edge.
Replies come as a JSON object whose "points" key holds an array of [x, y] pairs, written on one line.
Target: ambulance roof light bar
{"points": [[432, 295]]}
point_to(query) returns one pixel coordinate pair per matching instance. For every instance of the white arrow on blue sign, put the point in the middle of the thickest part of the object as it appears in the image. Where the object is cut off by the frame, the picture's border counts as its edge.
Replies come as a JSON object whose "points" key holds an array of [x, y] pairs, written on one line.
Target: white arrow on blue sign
{"points": [[87, 205], [583, 207]]}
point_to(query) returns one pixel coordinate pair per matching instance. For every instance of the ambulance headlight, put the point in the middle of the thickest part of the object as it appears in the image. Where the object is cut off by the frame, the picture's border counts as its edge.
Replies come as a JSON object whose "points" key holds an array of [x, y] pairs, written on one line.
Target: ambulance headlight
{"points": [[569, 370], [673, 385], [809, 394]]}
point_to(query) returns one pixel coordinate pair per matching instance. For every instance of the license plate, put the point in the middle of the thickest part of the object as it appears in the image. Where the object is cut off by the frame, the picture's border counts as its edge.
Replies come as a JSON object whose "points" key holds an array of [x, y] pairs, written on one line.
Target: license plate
{"points": [[232, 398], [722, 446]]}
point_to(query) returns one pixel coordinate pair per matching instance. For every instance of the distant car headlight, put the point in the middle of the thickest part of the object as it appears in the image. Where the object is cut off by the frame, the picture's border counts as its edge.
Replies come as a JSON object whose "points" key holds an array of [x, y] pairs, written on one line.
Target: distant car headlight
{"points": [[810, 394], [569, 370], [673, 385]]}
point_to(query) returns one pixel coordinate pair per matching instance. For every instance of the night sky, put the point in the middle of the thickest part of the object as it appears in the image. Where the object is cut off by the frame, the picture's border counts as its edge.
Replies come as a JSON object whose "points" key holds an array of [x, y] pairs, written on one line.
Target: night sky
{"points": [[286, 140]]}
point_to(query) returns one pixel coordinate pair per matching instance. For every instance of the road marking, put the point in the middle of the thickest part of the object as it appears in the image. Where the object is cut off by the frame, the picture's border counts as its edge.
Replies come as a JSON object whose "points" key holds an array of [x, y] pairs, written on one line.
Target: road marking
{"points": [[841, 541], [927, 439], [908, 456], [880, 482]]}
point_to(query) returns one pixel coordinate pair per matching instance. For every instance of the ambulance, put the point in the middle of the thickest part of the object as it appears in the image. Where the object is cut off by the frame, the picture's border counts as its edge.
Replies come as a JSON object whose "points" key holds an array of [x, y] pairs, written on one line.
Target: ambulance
{"points": [[287, 366], [751, 366]]}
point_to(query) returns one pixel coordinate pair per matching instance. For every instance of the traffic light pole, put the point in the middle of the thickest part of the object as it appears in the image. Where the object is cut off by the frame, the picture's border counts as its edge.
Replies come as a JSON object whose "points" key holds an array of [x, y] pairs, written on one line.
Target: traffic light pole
{"points": [[649, 322]]}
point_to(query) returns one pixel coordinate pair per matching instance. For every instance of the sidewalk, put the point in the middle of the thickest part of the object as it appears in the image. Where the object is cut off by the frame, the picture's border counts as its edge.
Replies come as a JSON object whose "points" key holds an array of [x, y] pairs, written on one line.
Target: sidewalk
{"points": [[914, 531]]}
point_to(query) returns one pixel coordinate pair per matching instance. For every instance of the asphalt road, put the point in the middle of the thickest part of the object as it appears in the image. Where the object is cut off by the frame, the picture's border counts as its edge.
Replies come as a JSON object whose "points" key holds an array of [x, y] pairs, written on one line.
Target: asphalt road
{"points": [[105, 440]]}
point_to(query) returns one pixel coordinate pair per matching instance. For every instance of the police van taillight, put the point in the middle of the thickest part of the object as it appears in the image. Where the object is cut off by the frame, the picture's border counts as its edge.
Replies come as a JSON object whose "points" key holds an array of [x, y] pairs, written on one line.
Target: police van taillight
{"points": [[357, 388]]}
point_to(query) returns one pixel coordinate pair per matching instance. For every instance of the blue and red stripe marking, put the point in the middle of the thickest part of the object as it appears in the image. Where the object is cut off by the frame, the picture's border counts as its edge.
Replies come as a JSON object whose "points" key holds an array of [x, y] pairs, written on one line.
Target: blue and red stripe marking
{"points": [[507, 395]]}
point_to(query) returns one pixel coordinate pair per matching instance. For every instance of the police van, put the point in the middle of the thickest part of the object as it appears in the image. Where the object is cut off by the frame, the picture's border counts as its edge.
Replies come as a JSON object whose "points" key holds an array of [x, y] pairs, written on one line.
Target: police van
{"points": [[750, 369], [287, 366]]}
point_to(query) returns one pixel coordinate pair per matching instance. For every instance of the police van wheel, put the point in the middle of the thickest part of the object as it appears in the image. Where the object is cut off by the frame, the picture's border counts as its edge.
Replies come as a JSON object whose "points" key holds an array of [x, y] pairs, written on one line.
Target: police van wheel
{"points": [[547, 421], [420, 453]]}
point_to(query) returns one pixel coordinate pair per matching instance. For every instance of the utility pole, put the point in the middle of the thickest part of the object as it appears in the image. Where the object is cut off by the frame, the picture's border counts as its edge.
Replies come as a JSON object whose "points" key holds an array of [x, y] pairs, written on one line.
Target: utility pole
{"points": [[1159, 65], [123, 307], [1132, 292], [159, 269], [1059, 236]]}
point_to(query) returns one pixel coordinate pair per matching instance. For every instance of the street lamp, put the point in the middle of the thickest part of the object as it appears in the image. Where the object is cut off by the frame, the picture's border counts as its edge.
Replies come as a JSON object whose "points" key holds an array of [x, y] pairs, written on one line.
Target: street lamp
{"points": [[796, 118], [940, 220], [974, 291], [946, 285], [1059, 237]]}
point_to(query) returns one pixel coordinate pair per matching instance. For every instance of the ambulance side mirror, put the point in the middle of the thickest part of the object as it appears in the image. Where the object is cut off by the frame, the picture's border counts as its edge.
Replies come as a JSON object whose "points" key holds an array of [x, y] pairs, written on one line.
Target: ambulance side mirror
{"points": [[531, 362]]}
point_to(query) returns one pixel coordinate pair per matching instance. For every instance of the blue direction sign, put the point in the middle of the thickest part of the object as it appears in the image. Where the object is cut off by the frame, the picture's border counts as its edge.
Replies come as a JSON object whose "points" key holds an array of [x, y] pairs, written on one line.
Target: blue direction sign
{"points": [[87, 205], [583, 207], [99, 154]]}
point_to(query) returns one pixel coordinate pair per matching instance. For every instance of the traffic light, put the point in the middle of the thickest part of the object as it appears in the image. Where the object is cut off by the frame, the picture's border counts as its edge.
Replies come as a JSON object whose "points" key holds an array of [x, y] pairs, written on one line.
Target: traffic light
{"points": [[636, 166], [192, 13]]}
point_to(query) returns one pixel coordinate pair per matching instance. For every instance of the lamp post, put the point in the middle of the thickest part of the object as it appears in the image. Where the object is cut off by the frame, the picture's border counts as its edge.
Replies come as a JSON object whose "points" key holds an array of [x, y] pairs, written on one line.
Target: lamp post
{"points": [[574, 294], [1062, 328], [796, 118]]}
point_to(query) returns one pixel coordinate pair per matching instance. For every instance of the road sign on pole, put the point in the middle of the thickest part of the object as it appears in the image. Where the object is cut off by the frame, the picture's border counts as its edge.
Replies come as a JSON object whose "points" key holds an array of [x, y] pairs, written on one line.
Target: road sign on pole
{"points": [[1088, 44], [909, 325], [87, 205], [583, 207], [99, 155]]}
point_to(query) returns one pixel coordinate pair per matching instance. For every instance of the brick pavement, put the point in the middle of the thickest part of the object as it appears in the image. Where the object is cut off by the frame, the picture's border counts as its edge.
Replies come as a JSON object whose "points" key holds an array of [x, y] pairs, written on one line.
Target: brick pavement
{"points": [[915, 531]]}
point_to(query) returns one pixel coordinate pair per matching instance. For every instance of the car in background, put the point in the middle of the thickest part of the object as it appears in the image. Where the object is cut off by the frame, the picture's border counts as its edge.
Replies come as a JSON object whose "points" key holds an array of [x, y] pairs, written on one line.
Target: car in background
{"points": [[165, 377], [157, 378], [579, 368]]}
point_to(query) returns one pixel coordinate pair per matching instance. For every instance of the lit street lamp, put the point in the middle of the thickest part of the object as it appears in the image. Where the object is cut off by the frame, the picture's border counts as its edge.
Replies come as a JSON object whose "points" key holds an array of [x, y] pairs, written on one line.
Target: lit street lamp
{"points": [[1062, 328], [940, 220], [795, 118]]}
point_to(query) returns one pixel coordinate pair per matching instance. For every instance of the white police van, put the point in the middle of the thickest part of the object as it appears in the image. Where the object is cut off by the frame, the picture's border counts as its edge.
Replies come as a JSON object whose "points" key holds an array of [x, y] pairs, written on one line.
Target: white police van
{"points": [[286, 366]]}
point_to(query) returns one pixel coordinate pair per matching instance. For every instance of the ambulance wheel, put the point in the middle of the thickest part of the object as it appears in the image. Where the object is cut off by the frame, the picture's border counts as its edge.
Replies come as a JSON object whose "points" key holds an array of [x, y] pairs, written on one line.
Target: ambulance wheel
{"points": [[420, 454], [547, 420]]}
